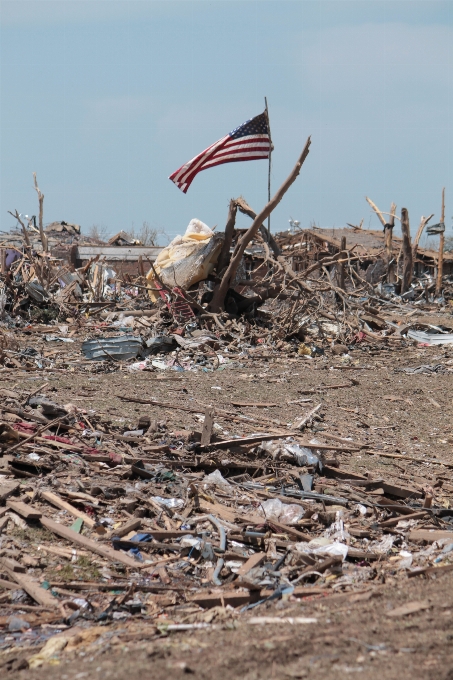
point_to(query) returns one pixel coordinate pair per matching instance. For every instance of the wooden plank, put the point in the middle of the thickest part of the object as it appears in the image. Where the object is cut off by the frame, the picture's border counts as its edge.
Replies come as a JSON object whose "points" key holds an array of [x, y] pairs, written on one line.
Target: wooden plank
{"points": [[291, 531], [98, 548], [394, 520], [41, 596], [252, 562], [12, 565], [162, 534], [131, 525], [8, 585], [8, 489], [429, 535], [399, 491], [58, 502], [23, 510], [206, 432], [429, 570]]}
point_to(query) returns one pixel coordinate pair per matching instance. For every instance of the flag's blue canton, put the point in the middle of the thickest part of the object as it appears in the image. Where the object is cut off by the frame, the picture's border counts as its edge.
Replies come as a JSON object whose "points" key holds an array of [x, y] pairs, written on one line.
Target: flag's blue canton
{"points": [[254, 126]]}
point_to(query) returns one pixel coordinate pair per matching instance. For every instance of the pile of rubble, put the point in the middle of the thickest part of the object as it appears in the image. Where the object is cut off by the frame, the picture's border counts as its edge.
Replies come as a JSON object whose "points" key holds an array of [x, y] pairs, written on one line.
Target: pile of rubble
{"points": [[179, 508]]}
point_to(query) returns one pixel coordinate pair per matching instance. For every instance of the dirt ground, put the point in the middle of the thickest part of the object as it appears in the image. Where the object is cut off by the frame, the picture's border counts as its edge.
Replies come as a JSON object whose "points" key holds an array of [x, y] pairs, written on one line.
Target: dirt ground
{"points": [[398, 413], [349, 637]]}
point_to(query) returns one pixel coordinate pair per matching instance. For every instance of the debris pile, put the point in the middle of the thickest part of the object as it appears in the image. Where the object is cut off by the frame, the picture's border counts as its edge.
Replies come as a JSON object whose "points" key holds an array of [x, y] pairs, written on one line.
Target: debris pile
{"points": [[219, 436]]}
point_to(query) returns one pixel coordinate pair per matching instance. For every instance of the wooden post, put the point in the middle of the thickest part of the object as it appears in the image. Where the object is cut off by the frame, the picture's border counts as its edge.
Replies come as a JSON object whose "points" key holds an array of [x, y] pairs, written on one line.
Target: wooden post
{"points": [[269, 170], [342, 268], [206, 432], [3, 260], [440, 261], [388, 232], [407, 251]]}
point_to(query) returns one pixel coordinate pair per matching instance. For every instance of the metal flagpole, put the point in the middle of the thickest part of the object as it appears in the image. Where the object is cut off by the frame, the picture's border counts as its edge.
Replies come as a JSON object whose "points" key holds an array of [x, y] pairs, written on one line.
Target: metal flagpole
{"points": [[269, 171]]}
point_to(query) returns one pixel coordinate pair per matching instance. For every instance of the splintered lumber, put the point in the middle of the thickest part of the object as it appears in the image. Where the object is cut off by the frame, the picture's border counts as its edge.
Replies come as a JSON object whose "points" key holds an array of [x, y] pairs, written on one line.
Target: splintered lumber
{"points": [[23, 510], [299, 424], [58, 502], [88, 544], [39, 595]]}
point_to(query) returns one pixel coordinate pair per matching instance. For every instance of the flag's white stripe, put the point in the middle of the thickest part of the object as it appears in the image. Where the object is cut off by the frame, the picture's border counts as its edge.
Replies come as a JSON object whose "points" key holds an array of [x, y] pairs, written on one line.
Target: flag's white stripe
{"points": [[192, 165], [240, 140], [237, 156]]}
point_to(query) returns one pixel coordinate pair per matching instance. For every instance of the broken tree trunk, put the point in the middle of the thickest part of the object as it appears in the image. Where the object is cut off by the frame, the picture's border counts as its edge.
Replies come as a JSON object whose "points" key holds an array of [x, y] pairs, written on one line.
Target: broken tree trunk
{"points": [[229, 231], [221, 291], [407, 251], [41, 211], [377, 211], [423, 222], [341, 266], [440, 261], [245, 209]]}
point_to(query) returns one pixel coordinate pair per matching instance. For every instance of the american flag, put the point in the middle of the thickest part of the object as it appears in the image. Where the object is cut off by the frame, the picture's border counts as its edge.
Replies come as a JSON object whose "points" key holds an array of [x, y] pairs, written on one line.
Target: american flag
{"points": [[248, 142]]}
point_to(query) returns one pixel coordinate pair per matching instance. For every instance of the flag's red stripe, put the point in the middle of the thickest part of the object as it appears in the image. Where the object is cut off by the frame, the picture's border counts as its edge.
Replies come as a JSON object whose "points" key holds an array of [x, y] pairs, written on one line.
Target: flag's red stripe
{"points": [[225, 150]]}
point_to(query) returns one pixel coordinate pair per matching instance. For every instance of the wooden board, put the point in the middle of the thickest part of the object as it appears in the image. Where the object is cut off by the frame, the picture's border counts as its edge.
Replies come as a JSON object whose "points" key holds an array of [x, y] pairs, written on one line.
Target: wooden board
{"points": [[41, 596], [63, 505], [430, 535], [131, 525], [24, 510], [8, 489], [252, 562], [208, 422], [12, 565], [98, 548]]}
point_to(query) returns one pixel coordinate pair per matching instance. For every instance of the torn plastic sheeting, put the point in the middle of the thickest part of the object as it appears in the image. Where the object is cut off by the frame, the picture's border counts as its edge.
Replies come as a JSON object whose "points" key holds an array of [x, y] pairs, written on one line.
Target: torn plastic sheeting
{"points": [[120, 348], [290, 450], [431, 338], [274, 509]]}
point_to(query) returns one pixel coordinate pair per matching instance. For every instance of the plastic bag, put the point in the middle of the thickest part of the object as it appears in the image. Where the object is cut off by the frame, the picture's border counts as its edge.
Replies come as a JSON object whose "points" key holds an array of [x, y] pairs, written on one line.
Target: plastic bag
{"points": [[290, 450], [169, 502], [332, 549], [216, 478], [291, 514], [272, 509]]}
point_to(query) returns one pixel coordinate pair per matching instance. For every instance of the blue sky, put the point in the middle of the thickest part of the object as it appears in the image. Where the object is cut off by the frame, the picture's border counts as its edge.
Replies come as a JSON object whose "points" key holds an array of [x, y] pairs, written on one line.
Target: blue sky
{"points": [[104, 99]]}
